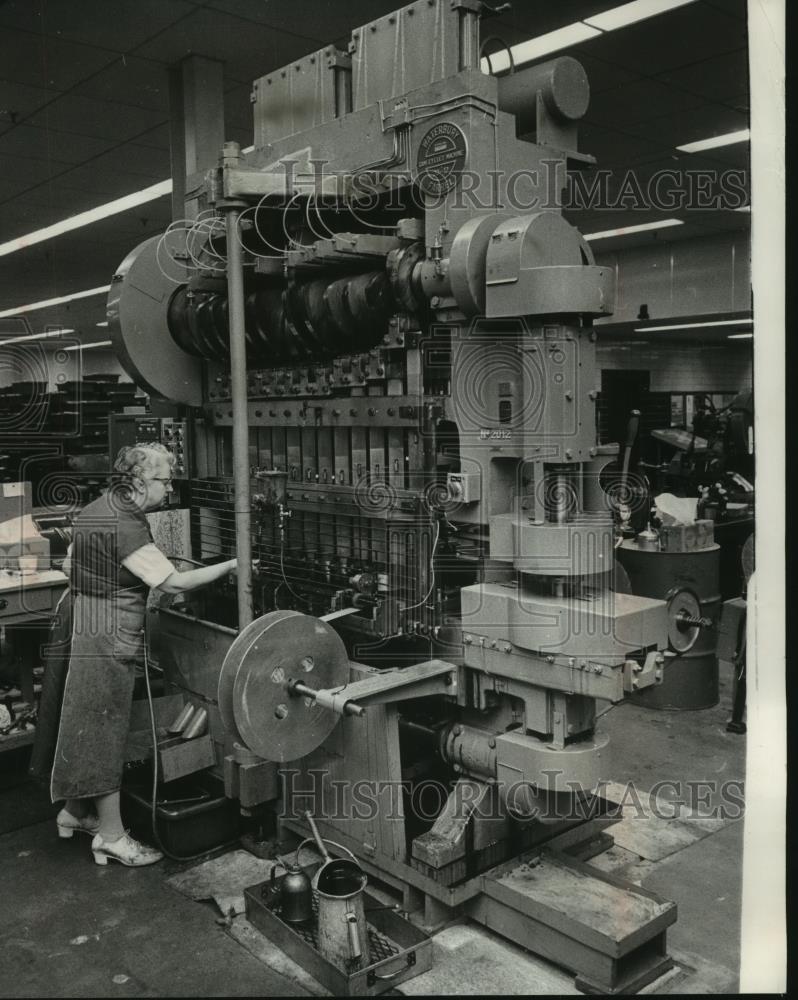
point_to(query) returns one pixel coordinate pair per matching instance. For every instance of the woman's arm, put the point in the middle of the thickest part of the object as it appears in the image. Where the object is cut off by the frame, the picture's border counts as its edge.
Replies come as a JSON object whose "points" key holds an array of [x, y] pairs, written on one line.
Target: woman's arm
{"points": [[149, 564], [191, 579]]}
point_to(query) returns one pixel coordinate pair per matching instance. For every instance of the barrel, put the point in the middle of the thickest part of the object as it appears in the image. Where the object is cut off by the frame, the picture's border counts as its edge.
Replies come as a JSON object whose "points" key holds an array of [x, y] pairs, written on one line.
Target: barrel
{"points": [[690, 679]]}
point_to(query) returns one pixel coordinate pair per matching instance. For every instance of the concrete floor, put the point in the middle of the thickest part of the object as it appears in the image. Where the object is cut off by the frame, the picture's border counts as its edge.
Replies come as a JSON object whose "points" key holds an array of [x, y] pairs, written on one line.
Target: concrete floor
{"points": [[70, 928]]}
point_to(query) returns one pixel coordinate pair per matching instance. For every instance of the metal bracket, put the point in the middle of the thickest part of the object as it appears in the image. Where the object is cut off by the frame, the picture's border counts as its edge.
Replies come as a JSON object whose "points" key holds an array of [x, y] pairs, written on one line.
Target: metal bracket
{"points": [[418, 681], [636, 677]]}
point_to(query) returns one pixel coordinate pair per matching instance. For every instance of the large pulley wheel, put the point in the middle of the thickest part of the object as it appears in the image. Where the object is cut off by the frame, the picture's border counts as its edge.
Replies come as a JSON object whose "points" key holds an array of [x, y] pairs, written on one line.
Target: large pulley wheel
{"points": [[683, 606], [255, 701]]}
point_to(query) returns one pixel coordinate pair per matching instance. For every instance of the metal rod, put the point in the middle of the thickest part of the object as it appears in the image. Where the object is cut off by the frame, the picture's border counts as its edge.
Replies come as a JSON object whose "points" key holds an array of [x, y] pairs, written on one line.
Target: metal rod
{"points": [[238, 389], [297, 688], [317, 836]]}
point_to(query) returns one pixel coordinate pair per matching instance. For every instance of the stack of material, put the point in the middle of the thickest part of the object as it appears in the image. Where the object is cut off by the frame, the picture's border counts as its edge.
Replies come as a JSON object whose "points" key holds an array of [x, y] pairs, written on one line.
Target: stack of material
{"points": [[81, 410], [59, 440]]}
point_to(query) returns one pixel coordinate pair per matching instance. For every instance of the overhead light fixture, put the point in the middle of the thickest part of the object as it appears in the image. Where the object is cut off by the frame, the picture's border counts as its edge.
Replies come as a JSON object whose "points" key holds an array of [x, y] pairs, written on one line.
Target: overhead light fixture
{"points": [[579, 31], [536, 48], [104, 323], [742, 208], [715, 141], [695, 326], [629, 230], [114, 207], [46, 303], [740, 336], [631, 13], [123, 204], [88, 347], [60, 332]]}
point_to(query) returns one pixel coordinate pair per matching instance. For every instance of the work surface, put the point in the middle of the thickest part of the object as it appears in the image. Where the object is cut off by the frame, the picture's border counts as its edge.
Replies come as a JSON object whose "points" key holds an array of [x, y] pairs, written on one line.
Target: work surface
{"points": [[70, 928]]}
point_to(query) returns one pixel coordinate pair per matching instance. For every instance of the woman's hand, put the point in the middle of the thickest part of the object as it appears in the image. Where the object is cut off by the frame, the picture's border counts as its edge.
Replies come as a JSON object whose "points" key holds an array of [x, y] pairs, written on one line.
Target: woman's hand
{"points": [[233, 565]]}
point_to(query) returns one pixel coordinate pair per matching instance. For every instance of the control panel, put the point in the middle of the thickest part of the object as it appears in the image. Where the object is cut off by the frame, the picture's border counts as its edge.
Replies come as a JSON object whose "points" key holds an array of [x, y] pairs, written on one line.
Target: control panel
{"points": [[126, 429]]}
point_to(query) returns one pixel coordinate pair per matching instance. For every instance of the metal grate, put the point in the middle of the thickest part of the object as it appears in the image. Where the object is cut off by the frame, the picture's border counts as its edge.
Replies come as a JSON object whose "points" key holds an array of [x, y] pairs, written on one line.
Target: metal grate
{"points": [[380, 947]]}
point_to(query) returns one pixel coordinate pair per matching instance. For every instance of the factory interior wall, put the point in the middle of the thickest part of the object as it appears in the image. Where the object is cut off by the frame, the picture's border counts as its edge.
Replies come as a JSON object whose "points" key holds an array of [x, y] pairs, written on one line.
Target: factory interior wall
{"points": [[683, 367], [681, 278]]}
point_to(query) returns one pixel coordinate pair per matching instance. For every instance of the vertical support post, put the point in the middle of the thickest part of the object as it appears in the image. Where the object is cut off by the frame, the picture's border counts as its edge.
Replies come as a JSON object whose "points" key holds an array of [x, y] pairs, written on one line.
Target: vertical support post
{"points": [[196, 126], [238, 388]]}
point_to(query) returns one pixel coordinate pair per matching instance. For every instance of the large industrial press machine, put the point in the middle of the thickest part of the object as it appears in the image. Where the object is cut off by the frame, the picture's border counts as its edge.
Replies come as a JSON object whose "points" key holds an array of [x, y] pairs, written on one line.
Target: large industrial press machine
{"points": [[379, 328]]}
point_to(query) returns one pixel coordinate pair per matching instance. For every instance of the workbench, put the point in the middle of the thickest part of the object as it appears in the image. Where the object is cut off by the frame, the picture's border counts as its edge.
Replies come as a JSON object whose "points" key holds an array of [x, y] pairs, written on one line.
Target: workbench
{"points": [[27, 601]]}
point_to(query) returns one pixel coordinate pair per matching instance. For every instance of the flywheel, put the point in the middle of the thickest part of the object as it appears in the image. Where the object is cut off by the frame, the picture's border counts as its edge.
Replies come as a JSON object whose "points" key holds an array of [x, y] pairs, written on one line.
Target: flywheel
{"points": [[255, 702]]}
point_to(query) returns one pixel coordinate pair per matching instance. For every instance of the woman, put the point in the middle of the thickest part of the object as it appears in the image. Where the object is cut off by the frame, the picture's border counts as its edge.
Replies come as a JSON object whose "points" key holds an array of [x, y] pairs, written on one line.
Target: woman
{"points": [[113, 564]]}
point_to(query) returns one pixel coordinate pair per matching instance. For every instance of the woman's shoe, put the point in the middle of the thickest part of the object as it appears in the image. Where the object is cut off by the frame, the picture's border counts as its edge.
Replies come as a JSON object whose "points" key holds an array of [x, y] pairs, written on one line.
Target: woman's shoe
{"points": [[68, 824], [125, 850]]}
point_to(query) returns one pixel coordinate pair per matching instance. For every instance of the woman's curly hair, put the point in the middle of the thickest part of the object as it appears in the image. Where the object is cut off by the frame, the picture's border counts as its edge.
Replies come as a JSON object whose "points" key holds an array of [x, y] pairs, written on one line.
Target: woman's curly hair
{"points": [[133, 461]]}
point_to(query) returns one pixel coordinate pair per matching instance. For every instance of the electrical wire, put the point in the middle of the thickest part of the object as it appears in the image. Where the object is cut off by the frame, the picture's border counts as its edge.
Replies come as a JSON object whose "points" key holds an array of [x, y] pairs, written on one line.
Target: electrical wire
{"points": [[285, 578], [425, 598]]}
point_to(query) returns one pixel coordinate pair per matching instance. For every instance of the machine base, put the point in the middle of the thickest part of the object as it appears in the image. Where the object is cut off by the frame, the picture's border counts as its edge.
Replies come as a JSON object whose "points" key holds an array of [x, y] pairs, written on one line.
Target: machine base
{"points": [[609, 932], [400, 950]]}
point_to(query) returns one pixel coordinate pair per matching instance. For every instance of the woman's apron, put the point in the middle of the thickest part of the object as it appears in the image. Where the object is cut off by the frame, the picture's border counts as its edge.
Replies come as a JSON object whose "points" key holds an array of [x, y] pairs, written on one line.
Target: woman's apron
{"points": [[107, 646], [55, 656]]}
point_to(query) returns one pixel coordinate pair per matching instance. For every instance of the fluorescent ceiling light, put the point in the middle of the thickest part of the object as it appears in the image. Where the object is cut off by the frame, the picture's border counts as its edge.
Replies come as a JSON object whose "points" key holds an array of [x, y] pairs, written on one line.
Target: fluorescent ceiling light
{"points": [[35, 336], [88, 347], [579, 31], [743, 208], [740, 336], [629, 230], [535, 48], [46, 303], [631, 13], [104, 323], [695, 326], [715, 141], [123, 204]]}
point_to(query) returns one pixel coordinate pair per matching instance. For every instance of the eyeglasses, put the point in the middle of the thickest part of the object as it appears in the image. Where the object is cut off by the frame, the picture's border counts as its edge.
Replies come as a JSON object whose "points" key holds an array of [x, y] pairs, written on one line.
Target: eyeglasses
{"points": [[160, 479]]}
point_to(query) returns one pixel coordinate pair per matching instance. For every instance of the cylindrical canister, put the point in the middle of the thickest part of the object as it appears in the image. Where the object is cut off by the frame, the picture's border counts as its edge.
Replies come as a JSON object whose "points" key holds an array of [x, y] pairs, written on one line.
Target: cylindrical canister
{"points": [[690, 679], [343, 934]]}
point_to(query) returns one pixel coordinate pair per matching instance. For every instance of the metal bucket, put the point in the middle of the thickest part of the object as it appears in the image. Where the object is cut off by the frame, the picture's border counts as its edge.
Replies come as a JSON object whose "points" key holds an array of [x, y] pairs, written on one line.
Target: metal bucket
{"points": [[343, 935], [339, 884]]}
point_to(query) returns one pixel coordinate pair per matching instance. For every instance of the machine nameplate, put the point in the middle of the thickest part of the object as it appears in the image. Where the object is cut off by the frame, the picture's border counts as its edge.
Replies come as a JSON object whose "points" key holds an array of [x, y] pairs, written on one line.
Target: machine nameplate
{"points": [[441, 158]]}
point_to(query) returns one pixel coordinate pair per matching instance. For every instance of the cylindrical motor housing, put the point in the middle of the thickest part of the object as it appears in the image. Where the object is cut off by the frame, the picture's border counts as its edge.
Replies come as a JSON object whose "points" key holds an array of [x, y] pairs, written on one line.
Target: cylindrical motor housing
{"points": [[691, 678]]}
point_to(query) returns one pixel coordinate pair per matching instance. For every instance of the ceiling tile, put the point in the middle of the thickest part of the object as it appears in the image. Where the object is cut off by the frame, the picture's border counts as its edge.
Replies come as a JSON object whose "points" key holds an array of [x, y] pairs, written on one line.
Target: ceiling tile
{"points": [[723, 78], [103, 179], [690, 126], [322, 23], [613, 147], [16, 170], [130, 81], [248, 50], [43, 143], [51, 64], [99, 118], [734, 8], [603, 75], [680, 37], [152, 164], [18, 100], [157, 137], [88, 22], [22, 215], [634, 102]]}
